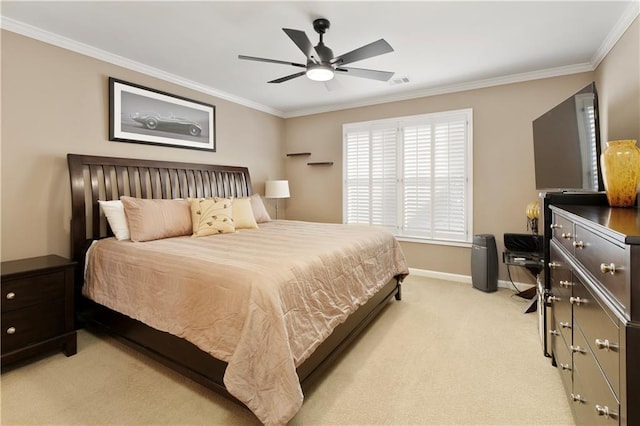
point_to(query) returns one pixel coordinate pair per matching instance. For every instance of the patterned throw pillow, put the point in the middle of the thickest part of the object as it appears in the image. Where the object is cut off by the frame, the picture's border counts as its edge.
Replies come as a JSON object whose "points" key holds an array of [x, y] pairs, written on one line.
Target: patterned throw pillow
{"points": [[211, 216]]}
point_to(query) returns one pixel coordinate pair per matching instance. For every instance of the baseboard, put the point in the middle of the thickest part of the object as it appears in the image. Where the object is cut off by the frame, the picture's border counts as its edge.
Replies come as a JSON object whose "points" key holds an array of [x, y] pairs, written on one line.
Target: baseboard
{"points": [[463, 278]]}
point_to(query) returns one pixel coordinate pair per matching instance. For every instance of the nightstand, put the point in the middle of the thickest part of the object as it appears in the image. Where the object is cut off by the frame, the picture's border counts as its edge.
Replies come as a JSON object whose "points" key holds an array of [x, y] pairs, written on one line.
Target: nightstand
{"points": [[37, 308]]}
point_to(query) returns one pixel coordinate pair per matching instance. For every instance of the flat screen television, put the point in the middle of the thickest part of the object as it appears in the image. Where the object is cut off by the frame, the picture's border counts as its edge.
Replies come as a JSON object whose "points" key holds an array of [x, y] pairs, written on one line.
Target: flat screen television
{"points": [[566, 145]]}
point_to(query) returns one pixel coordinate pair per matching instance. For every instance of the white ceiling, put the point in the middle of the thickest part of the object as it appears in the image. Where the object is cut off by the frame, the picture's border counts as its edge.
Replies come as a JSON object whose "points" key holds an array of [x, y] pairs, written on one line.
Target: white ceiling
{"points": [[439, 46]]}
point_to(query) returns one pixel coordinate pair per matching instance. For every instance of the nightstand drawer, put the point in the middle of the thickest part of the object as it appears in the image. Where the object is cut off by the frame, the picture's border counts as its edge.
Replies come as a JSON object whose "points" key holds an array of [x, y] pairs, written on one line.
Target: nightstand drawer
{"points": [[31, 325], [27, 291]]}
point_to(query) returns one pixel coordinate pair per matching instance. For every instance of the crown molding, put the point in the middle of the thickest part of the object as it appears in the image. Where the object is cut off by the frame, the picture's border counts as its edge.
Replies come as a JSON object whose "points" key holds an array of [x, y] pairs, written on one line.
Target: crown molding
{"points": [[93, 52], [625, 21], [453, 88]]}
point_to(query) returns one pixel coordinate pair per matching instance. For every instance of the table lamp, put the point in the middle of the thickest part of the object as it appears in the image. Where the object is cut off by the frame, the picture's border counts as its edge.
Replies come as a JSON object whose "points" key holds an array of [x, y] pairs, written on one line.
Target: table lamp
{"points": [[276, 189]]}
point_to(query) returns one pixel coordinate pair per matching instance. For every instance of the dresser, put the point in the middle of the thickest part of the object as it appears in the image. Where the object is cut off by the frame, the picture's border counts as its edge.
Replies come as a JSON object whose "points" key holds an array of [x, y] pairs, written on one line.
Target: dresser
{"points": [[37, 308], [594, 300]]}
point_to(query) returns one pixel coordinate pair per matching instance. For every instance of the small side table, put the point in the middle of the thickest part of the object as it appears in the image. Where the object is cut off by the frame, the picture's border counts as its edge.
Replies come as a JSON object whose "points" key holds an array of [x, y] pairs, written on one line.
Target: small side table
{"points": [[37, 308]]}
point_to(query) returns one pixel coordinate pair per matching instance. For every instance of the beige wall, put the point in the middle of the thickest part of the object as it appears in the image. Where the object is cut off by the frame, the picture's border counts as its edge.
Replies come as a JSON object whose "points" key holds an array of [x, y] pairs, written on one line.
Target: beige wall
{"points": [[618, 83], [503, 166], [55, 102]]}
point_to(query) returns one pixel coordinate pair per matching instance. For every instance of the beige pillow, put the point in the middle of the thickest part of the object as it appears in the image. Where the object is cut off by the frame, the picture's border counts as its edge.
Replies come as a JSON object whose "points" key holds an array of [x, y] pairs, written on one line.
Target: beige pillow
{"points": [[259, 211], [155, 219], [211, 216], [243, 214]]}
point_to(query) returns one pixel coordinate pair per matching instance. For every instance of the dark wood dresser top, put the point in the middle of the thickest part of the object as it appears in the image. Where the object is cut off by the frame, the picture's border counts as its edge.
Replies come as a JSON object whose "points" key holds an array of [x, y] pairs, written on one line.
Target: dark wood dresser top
{"points": [[620, 223]]}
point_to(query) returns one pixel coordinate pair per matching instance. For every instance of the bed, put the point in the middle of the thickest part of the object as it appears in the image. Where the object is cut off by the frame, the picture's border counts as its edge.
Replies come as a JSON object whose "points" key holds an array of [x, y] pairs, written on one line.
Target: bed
{"points": [[105, 178]]}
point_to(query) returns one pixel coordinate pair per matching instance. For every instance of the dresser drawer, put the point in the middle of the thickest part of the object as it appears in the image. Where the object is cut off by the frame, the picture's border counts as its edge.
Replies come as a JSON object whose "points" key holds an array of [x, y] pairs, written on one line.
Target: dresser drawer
{"points": [[601, 333], [561, 290], [562, 231], [598, 255], [32, 324], [563, 359], [594, 401], [25, 291]]}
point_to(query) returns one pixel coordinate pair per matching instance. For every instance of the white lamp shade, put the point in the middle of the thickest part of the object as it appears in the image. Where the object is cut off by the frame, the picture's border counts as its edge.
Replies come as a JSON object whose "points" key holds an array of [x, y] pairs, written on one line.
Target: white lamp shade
{"points": [[276, 189]]}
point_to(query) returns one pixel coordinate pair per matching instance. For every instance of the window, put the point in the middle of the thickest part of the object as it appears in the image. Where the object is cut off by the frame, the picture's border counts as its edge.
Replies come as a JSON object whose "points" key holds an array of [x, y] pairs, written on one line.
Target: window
{"points": [[411, 175]]}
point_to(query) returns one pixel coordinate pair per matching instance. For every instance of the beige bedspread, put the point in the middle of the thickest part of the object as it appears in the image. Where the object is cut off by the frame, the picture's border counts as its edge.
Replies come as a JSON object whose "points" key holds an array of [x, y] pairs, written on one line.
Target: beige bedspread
{"points": [[260, 299]]}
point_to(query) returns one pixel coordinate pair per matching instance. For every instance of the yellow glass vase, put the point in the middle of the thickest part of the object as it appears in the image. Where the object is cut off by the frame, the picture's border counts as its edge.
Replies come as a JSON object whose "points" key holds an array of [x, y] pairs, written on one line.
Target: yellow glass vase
{"points": [[621, 172]]}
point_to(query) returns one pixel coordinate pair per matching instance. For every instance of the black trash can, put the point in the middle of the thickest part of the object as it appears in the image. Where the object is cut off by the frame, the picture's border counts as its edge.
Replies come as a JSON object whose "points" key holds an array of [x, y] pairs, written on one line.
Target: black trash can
{"points": [[484, 263]]}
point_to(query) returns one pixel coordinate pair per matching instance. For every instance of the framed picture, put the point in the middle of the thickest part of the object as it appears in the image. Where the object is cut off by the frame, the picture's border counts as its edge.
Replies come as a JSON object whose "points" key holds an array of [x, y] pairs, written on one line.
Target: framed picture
{"points": [[143, 115]]}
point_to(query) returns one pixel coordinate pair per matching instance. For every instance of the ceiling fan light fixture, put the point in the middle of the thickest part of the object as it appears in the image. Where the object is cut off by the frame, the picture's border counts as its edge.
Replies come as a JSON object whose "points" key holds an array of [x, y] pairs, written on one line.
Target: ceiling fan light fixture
{"points": [[319, 72]]}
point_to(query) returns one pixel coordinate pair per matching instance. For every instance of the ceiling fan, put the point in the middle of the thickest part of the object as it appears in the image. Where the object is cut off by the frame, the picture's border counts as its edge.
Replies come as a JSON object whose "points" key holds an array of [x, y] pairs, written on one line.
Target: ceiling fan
{"points": [[321, 64]]}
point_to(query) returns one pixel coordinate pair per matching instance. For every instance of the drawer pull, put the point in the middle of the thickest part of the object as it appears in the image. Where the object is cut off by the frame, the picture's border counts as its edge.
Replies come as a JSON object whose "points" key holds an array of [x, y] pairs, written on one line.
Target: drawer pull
{"points": [[577, 349], [575, 397], [565, 367], [606, 345], [610, 268], [555, 226], [11, 330], [552, 299], [554, 332], [565, 324], [11, 295], [566, 284], [578, 244], [554, 265], [606, 412], [577, 300], [566, 235]]}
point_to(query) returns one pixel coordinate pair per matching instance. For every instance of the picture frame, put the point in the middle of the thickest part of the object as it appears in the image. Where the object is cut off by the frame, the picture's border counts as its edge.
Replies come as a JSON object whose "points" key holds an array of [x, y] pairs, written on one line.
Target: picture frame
{"points": [[140, 114]]}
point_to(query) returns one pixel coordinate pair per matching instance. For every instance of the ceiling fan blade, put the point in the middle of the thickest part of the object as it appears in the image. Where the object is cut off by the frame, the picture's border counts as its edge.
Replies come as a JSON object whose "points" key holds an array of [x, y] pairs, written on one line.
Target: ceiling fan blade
{"points": [[302, 41], [272, 61], [376, 48], [287, 78], [360, 72]]}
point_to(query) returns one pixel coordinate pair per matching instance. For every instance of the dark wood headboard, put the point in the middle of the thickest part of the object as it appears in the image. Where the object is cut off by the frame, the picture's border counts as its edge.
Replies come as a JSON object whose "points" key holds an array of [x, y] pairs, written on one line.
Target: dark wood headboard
{"points": [[107, 178]]}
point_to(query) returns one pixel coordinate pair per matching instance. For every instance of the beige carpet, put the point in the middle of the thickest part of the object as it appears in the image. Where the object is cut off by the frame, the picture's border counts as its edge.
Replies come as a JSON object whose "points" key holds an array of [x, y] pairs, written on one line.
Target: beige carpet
{"points": [[445, 354]]}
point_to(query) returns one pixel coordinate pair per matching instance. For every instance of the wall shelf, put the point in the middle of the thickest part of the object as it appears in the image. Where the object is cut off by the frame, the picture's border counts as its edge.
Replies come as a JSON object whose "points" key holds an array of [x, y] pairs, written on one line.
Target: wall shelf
{"points": [[298, 154], [321, 163]]}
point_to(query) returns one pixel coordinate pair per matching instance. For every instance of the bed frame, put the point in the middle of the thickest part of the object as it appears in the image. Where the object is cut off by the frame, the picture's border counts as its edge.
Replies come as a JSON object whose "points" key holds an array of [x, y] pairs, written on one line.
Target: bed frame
{"points": [[106, 178]]}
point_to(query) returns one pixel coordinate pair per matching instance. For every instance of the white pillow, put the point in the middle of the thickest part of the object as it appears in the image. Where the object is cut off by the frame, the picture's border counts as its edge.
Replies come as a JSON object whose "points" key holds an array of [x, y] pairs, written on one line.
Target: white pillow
{"points": [[114, 211]]}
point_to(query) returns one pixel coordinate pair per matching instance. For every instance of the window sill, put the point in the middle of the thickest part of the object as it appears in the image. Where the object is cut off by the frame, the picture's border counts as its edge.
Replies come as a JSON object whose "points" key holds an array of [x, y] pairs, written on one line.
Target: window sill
{"points": [[434, 242]]}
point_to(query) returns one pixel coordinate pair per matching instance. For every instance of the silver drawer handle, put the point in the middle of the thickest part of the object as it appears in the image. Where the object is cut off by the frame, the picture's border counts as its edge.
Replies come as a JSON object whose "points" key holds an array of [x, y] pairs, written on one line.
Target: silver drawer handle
{"points": [[566, 284], [566, 235], [11, 295], [577, 349], [575, 397], [552, 299], [610, 268], [554, 332], [578, 244], [606, 412], [11, 330], [554, 265], [565, 324], [577, 300], [555, 226], [565, 367], [606, 345]]}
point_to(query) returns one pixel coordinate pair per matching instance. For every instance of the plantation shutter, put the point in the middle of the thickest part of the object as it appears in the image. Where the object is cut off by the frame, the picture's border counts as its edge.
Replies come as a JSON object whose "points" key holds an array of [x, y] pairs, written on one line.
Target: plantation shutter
{"points": [[411, 176]]}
